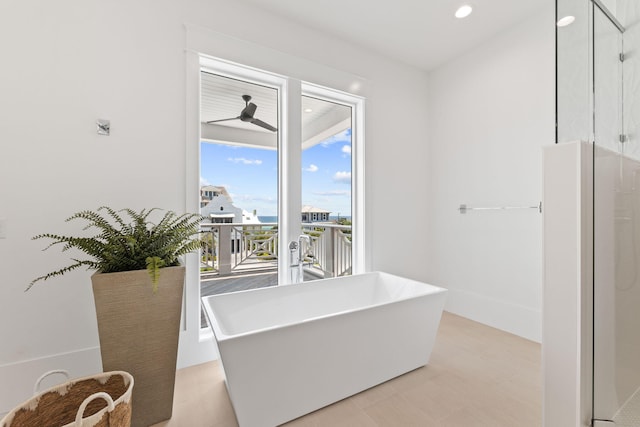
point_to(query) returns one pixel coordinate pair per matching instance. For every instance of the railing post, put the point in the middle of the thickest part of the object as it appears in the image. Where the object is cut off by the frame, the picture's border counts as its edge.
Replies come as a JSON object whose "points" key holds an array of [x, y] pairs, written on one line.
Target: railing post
{"points": [[328, 237], [224, 250]]}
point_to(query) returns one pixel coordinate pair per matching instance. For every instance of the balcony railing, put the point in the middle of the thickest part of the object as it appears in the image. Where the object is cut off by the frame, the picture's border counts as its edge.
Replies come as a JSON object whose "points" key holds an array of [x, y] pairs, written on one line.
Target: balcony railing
{"points": [[241, 248], [330, 253]]}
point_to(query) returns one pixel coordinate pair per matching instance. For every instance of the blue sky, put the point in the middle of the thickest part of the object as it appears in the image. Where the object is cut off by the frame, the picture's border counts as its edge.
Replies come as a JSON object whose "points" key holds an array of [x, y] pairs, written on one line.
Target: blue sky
{"points": [[251, 176]]}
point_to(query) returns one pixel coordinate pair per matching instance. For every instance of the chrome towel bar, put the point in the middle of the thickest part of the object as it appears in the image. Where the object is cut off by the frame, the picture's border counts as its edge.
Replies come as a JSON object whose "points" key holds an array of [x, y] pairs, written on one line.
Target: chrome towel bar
{"points": [[464, 208]]}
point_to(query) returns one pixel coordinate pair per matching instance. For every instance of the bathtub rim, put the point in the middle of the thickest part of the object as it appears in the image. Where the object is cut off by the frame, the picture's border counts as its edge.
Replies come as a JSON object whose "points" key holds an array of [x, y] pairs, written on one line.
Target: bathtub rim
{"points": [[221, 336]]}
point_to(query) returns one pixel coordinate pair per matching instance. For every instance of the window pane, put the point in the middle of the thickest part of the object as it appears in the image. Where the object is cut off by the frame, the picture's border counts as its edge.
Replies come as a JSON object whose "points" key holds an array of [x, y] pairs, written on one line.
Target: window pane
{"points": [[326, 187]]}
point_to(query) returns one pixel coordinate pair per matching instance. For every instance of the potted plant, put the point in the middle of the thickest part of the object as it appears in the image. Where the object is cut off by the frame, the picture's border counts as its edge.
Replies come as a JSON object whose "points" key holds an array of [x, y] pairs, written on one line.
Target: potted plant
{"points": [[137, 287]]}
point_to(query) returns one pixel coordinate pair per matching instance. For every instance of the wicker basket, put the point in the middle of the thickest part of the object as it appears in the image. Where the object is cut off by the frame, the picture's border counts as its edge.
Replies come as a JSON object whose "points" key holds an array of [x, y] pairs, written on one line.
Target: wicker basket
{"points": [[102, 400]]}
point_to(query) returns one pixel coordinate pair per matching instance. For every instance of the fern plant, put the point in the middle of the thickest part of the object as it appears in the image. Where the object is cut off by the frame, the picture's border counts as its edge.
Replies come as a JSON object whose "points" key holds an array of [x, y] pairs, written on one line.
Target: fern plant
{"points": [[132, 244]]}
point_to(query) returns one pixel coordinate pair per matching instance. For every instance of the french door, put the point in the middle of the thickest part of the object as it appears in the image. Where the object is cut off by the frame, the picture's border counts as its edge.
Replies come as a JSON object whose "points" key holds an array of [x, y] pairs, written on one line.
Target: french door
{"points": [[287, 149], [298, 160]]}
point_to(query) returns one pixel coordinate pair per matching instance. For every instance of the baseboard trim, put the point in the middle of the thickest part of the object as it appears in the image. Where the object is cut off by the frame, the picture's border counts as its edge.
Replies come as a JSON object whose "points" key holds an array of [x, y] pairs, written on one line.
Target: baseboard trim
{"points": [[522, 321], [19, 378]]}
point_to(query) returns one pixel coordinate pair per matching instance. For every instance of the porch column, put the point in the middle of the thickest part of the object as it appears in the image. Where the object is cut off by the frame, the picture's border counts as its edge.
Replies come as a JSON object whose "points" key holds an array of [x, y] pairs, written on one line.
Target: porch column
{"points": [[224, 250]]}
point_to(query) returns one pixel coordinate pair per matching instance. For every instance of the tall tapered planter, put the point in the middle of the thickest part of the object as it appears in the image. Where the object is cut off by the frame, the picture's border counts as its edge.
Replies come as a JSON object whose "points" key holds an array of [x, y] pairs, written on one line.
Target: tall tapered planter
{"points": [[139, 331]]}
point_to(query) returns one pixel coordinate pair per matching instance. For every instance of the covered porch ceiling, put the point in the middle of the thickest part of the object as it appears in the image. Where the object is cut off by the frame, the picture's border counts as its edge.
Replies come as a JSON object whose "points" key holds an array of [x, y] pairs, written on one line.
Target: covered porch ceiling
{"points": [[221, 98]]}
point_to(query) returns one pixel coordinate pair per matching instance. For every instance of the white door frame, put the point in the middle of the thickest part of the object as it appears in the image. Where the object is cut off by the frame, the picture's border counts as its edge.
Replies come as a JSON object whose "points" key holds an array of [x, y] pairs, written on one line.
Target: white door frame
{"points": [[203, 48]]}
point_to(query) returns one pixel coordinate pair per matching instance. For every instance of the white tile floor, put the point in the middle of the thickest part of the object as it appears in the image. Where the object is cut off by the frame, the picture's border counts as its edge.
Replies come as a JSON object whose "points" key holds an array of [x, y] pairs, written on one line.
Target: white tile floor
{"points": [[477, 376]]}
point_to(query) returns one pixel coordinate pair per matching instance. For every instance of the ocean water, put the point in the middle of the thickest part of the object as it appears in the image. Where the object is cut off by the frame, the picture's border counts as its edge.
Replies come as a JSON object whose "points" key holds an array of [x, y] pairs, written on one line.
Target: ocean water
{"points": [[268, 218]]}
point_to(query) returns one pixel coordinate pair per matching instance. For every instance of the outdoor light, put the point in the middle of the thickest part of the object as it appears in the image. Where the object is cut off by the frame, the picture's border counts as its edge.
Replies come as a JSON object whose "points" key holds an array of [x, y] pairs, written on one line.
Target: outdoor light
{"points": [[464, 11], [567, 20]]}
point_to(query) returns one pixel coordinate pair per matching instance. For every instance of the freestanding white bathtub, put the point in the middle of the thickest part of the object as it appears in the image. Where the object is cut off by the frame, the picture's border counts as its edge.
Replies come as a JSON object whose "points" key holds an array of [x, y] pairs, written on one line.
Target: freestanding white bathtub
{"points": [[289, 350]]}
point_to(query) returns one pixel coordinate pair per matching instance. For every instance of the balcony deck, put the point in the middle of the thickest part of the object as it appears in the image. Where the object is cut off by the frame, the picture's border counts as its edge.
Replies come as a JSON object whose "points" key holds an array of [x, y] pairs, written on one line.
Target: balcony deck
{"points": [[241, 282], [239, 257]]}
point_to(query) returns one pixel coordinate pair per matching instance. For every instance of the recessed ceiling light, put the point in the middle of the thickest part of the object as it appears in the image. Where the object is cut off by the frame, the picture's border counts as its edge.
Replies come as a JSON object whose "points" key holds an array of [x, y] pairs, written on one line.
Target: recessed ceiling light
{"points": [[355, 87], [567, 20], [308, 110], [464, 11]]}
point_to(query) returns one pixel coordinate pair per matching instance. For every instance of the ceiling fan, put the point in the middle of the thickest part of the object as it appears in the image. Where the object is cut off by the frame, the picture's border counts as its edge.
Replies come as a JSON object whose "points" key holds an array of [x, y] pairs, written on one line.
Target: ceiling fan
{"points": [[246, 115]]}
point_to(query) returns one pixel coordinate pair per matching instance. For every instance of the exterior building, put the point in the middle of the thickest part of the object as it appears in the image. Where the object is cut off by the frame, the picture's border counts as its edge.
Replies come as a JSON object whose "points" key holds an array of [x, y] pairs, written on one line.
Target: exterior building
{"points": [[313, 214], [216, 204], [208, 192]]}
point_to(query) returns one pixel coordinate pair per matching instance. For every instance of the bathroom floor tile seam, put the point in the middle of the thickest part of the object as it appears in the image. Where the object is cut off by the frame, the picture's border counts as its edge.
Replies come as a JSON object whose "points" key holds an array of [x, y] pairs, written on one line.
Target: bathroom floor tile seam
{"points": [[477, 376]]}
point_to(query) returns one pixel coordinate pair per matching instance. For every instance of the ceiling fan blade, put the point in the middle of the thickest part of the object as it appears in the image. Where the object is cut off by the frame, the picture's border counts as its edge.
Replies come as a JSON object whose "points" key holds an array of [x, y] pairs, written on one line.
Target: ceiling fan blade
{"points": [[263, 124], [247, 114], [222, 120]]}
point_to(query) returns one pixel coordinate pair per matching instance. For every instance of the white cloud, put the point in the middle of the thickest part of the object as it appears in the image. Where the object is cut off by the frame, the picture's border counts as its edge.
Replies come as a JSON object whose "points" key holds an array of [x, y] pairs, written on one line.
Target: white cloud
{"points": [[250, 198], [343, 177], [333, 193], [245, 161], [204, 181], [312, 168], [346, 149], [344, 136]]}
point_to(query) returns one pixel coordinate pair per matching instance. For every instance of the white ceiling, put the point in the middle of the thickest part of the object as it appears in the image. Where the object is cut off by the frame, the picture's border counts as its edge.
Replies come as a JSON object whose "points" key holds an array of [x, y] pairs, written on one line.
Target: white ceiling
{"points": [[422, 33], [221, 98]]}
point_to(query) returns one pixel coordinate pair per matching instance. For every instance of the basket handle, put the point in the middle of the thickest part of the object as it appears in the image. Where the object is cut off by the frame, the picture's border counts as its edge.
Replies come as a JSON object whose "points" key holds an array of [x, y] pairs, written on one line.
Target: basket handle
{"points": [[36, 387], [83, 406]]}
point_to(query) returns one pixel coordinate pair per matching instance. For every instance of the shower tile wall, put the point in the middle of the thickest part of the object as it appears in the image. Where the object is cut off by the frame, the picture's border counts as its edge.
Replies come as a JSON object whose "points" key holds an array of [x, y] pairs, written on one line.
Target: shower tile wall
{"points": [[617, 278], [630, 17], [617, 216]]}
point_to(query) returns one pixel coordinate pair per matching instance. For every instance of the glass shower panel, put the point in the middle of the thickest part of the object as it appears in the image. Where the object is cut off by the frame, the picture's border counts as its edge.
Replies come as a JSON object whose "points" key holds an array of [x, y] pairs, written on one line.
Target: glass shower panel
{"points": [[574, 81], [607, 75], [616, 239]]}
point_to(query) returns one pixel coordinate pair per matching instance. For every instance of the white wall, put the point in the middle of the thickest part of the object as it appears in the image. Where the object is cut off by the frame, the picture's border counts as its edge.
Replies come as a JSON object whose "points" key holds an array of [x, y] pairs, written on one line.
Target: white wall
{"points": [[568, 230], [70, 62], [490, 112], [67, 63]]}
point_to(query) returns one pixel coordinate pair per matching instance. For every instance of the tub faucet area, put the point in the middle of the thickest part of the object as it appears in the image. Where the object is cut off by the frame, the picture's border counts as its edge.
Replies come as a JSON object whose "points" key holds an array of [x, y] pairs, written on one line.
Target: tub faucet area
{"points": [[303, 249]]}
